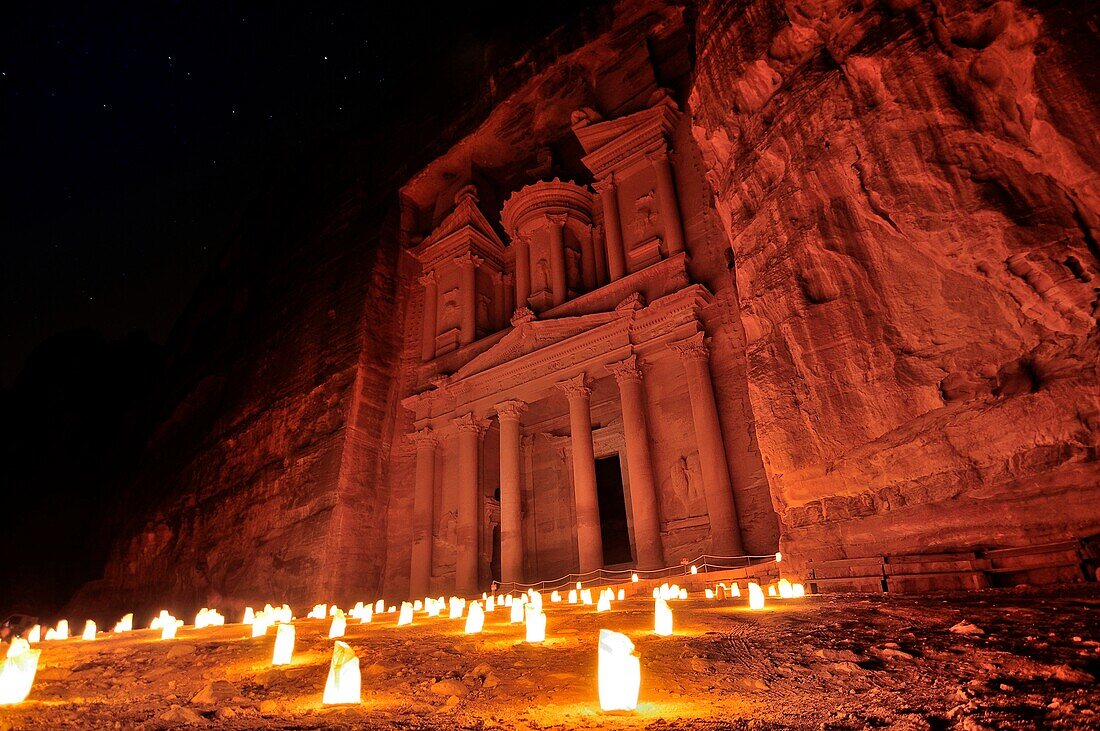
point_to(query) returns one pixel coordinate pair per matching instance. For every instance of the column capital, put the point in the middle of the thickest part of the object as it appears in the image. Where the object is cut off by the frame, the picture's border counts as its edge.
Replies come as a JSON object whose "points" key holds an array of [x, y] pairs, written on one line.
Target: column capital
{"points": [[557, 219], [468, 260], [429, 278], [693, 348], [626, 370], [606, 185], [424, 437], [472, 423], [576, 387], [510, 410]]}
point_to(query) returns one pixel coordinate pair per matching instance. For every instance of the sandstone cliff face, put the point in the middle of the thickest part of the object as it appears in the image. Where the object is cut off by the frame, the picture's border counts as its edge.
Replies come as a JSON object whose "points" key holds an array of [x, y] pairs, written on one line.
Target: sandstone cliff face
{"points": [[911, 194], [258, 483], [904, 352]]}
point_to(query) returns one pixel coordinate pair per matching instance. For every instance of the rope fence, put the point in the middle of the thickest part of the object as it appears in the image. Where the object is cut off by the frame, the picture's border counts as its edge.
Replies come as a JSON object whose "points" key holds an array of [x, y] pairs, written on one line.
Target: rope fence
{"points": [[703, 564]]}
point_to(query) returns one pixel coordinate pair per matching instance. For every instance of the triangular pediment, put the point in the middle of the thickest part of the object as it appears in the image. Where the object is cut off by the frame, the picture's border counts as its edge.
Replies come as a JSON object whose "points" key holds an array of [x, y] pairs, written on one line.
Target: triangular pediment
{"points": [[464, 218], [648, 123], [532, 336]]}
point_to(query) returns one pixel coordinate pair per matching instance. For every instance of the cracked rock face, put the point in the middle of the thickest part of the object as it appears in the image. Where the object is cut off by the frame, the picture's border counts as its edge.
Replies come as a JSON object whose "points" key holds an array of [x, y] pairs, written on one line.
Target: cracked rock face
{"points": [[911, 194]]}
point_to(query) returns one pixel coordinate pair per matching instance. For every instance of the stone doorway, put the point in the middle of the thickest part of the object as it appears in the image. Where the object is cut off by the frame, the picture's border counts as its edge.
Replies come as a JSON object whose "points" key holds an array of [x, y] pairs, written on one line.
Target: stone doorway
{"points": [[613, 526]]}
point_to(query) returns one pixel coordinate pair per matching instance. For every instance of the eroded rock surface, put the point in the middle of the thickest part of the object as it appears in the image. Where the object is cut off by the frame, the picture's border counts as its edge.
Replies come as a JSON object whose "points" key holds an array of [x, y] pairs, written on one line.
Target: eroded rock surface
{"points": [[911, 195]]}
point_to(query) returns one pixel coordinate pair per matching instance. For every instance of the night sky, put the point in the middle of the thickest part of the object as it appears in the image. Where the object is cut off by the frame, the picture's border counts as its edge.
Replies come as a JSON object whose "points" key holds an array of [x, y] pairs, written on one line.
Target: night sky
{"points": [[133, 134], [137, 139]]}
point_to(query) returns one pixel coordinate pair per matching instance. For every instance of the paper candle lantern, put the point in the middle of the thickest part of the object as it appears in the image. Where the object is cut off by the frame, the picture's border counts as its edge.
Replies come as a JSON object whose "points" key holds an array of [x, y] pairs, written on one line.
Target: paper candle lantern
{"points": [[536, 624], [634, 578], [125, 624], [89, 631], [708, 593], [604, 604], [406, 616], [475, 619], [457, 607], [622, 594], [260, 625], [586, 597], [798, 591], [662, 617], [284, 645], [168, 629], [735, 590], [771, 590], [338, 626], [619, 672], [17, 672], [368, 614], [694, 570], [62, 631], [786, 591], [572, 596], [249, 616], [555, 597], [491, 604], [35, 635], [516, 612], [418, 605], [756, 596], [379, 607], [343, 681]]}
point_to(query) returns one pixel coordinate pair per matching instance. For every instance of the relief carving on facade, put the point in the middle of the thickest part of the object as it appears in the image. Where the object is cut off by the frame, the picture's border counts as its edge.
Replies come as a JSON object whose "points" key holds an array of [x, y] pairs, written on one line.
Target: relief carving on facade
{"points": [[682, 491], [646, 216]]}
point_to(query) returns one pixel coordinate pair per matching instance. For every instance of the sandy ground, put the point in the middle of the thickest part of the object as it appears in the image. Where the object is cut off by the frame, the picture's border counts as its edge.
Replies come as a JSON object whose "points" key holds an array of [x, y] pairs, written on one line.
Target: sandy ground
{"points": [[838, 661]]}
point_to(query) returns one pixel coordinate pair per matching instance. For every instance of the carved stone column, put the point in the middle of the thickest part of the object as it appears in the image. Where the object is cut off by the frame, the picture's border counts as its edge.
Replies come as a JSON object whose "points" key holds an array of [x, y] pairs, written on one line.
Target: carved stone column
{"points": [[725, 530], [588, 262], [420, 569], [523, 270], [557, 258], [595, 234], [589, 539], [613, 231], [509, 299], [470, 431], [430, 280], [467, 264], [643, 488], [511, 514], [670, 208]]}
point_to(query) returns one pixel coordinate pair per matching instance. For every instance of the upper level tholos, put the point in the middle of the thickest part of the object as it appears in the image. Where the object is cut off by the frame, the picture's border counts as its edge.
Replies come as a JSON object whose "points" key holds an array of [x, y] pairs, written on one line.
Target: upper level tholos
{"points": [[565, 244]]}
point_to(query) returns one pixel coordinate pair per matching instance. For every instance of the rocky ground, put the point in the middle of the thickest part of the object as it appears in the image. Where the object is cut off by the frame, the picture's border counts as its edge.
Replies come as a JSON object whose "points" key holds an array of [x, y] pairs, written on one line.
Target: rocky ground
{"points": [[1021, 658]]}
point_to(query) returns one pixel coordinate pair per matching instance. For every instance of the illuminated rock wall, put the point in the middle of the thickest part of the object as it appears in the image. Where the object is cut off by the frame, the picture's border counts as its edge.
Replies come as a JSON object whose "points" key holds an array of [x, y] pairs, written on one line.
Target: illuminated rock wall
{"points": [[911, 194], [904, 351]]}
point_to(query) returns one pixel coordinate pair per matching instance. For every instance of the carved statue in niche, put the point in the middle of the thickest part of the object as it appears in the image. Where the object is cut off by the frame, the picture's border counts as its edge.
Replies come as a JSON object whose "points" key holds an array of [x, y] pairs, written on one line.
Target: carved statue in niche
{"points": [[542, 276], [573, 267], [645, 210], [450, 308], [446, 539], [682, 493], [483, 308]]}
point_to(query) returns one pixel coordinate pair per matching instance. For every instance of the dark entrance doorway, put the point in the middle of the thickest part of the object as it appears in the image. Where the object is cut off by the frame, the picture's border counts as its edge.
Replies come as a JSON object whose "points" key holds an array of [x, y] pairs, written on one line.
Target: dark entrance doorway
{"points": [[613, 527]]}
